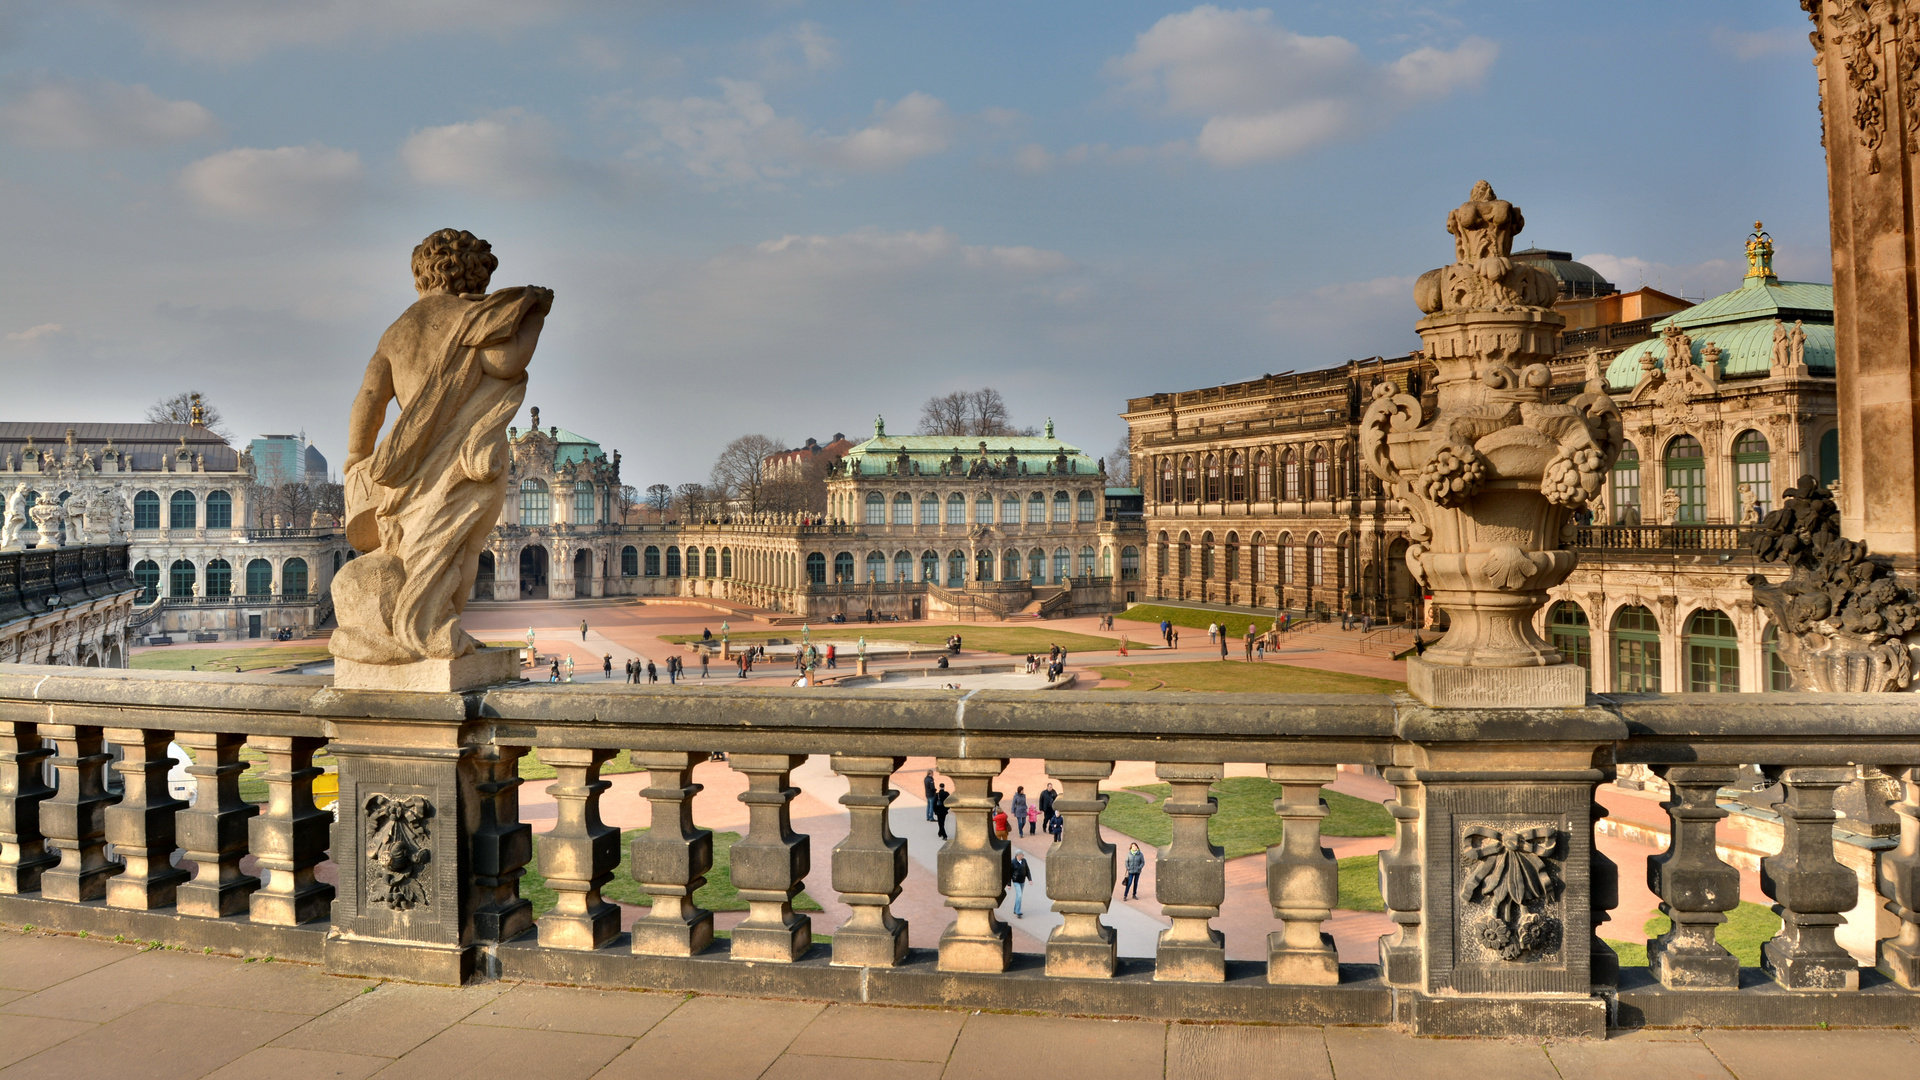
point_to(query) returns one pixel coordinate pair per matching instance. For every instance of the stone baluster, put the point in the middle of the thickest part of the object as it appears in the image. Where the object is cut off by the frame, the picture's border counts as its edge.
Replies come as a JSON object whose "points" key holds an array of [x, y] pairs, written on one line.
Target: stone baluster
{"points": [[23, 848], [1303, 881], [1808, 885], [75, 818], [290, 839], [770, 863], [1400, 880], [671, 860], [1080, 875], [1191, 879], [1695, 886], [1900, 885], [140, 825], [869, 866], [578, 856], [1604, 896], [974, 869], [502, 845], [214, 829]]}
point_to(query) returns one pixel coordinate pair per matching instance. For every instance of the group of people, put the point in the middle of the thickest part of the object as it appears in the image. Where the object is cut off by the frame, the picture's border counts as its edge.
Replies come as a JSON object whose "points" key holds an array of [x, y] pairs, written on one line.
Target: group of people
{"points": [[953, 644], [1055, 662], [637, 669], [1023, 817]]}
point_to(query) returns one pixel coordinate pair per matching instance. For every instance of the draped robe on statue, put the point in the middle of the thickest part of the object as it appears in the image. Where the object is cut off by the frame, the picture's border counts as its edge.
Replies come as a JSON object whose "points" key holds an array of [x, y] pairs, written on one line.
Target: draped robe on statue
{"points": [[421, 506]]}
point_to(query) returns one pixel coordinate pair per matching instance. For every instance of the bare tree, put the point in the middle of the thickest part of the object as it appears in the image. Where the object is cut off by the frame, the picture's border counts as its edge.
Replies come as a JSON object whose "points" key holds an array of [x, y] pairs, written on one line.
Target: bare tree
{"points": [[797, 489], [980, 412], [1120, 465], [692, 502], [945, 414], [740, 475], [178, 409], [625, 498], [659, 498]]}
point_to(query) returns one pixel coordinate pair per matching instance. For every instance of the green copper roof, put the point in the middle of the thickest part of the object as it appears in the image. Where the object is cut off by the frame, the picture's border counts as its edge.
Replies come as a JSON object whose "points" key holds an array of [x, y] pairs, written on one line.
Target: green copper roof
{"points": [[1031, 455], [1741, 322], [574, 448]]}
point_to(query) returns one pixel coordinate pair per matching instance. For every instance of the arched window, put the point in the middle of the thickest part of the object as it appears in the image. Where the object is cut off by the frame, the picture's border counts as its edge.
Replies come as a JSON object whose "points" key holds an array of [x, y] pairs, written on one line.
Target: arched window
{"points": [[1036, 509], [1161, 567], [1060, 557], [584, 511], [1713, 654], [903, 509], [1316, 570], [1286, 558], [902, 567], [956, 509], [1778, 677], [1106, 562], [1343, 480], [1259, 568], [1189, 481], [1233, 558], [1626, 486], [816, 568], [1037, 566], [726, 562], [929, 566], [843, 567], [1184, 552], [1829, 457], [1062, 508], [713, 562], [983, 563], [652, 562], [629, 561], [1010, 509], [1636, 651], [956, 569], [259, 578], [1752, 467], [1084, 566], [337, 560], [1010, 565], [1262, 478], [183, 511], [1290, 476], [146, 510], [1322, 486], [1206, 557], [146, 574], [1087, 512], [1343, 567], [1129, 564], [876, 567], [929, 509], [983, 510], [1236, 478], [219, 578], [1687, 476], [535, 504], [673, 562], [181, 578], [293, 578], [1567, 631], [1213, 479], [219, 511], [1166, 480]]}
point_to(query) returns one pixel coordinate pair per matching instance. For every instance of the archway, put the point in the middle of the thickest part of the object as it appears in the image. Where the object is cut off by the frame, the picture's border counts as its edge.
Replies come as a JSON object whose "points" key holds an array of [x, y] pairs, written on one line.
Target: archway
{"points": [[483, 580], [583, 572], [533, 572]]}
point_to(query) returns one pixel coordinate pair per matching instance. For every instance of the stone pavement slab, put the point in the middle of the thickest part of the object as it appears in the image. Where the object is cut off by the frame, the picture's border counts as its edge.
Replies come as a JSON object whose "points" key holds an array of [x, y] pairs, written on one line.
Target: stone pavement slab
{"points": [[801, 1067], [1794, 1055], [992, 1047], [629, 1014], [37, 961], [1246, 1052], [277, 987], [468, 1050], [1379, 1054], [873, 1031], [1638, 1055], [25, 1036], [115, 990], [715, 1039], [161, 1041], [283, 1063], [390, 1019]]}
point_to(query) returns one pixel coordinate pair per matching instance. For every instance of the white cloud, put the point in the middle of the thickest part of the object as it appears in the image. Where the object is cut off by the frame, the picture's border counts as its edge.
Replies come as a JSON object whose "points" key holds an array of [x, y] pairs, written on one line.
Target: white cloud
{"points": [[235, 30], [510, 155], [738, 137], [1755, 44], [298, 183], [913, 127], [68, 115], [1266, 92], [801, 48], [35, 333], [1697, 280]]}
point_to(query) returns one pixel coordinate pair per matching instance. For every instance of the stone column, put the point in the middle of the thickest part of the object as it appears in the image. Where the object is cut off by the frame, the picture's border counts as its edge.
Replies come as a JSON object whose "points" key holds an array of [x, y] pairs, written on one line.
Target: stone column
{"points": [[1899, 883], [290, 839], [140, 825], [671, 859], [1080, 875], [23, 848], [1695, 886], [214, 830], [75, 817], [770, 863], [579, 854], [502, 845], [1808, 885], [1191, 879], [974, 869], [1303, 881], [869, 865], [1400, 880]]}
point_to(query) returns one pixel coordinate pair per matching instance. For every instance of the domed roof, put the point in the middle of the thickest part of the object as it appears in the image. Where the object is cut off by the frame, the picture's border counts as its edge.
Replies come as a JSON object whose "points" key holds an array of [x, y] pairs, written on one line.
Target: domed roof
{"points": [[1576, 279]]}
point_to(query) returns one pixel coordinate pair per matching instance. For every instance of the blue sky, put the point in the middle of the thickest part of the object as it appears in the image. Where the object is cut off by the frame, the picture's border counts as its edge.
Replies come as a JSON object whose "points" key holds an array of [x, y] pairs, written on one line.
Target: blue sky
{"points": [[785, 217]]}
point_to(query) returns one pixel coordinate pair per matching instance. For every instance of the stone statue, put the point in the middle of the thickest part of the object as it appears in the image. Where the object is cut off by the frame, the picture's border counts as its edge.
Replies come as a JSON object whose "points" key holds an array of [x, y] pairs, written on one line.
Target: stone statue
{"points": [[421, 503], [16, 518], [1782, 350], [49, 517], [1797, 346], [1670, 507], [1748, 509], [1679, 348]]}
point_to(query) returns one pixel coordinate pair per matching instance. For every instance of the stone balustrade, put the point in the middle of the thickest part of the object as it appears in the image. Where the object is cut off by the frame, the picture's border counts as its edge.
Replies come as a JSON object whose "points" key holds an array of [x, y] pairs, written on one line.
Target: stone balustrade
{"points": [[1492, 883]]}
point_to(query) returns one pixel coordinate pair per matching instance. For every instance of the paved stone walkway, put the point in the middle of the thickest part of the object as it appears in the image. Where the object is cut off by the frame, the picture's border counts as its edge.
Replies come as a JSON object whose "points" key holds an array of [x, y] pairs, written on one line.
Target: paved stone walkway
{"points": [[85, 1009]]}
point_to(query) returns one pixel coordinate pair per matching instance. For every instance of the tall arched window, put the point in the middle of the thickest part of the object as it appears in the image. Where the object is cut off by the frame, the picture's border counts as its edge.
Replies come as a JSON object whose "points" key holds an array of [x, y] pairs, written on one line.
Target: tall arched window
{"points": [[1262, 478], [1286, 558], [929, 509], [843, 567], [1185, 554], [1315, 568], [536, 506], [1166, 480], [219, 577], [181, 578], [584, 511], [1343, 567], [956, 569], [1343, 480], [146, 510], [726, 562], [956, 509], [902, 567], [1687, 476], [1290, 476], [1088, 508], [1037, 566], [1233, 558], [1010, 565], [219, 511], [816, 568], [1062, 508], [183, 511], [1161, 567], [293, 578], [713, 562], [1236, 478], [1010, 509], [983, 509], [903, 509], [1567, 631], [1084, 566], [876, 567], [1036, 509], [673, 562], [1713, 654], [1322, 486], [1129, 563], [1626, 486], [1213, 479], [1060, 557], [1829, 456], [652, 561], [1189, 481], [1206, 556], [1636, 651], [146, 574], [983, 565], [629, 561], [259, 578], [1259, 560], [1752, 467], [930, 566]]}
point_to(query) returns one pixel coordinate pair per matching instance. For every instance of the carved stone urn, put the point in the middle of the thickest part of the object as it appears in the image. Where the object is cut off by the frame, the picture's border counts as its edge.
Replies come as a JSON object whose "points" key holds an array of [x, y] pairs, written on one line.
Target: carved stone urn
{"points": [[1490, 477], [50, 518]]}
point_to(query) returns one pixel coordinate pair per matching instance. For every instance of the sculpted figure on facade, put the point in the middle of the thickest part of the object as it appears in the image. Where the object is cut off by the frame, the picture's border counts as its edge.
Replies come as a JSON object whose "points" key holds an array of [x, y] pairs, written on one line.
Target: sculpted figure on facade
{"points": [[1492, 475], [16, 518], [1782, 358], [421, 503], [1797, 347]]}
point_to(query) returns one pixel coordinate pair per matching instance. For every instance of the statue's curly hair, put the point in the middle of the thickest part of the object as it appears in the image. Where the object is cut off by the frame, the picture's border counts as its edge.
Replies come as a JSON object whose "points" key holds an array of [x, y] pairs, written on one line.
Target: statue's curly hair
{"points": [[454, 260]]}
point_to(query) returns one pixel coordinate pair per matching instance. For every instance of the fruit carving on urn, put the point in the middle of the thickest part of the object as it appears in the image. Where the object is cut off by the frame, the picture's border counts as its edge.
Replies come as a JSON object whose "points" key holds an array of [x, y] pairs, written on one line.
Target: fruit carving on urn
{"points": [[1492, 475]]}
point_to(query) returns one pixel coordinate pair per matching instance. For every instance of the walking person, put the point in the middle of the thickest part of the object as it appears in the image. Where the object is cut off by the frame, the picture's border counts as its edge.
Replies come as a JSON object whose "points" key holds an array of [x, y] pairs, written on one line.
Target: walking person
{"points": [[673, 671], [583, 629], [1059, 823], [1020, 810], [940, 812], [1022, 874], [1249, 639], [606, 667], [1223, 648], [1136, 862], [926, 782], [653, 673], [1046, 805], [703, 665], [629, 672], [1212, 629]]}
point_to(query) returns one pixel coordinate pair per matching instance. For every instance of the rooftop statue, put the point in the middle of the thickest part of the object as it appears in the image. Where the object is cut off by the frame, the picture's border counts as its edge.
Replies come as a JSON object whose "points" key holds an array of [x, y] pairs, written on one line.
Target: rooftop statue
{"points": [[421, 503]]}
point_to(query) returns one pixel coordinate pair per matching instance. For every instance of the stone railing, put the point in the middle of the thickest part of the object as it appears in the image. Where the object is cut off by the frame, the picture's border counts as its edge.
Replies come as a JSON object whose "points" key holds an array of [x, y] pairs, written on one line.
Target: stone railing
{"points": [[33, 582], [1492, 882], [1664, 539]]}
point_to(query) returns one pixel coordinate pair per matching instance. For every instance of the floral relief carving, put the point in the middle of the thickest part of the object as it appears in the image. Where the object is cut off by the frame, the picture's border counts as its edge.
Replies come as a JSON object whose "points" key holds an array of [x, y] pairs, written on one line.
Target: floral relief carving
{"points": [[398, 850], [1511, 877]]}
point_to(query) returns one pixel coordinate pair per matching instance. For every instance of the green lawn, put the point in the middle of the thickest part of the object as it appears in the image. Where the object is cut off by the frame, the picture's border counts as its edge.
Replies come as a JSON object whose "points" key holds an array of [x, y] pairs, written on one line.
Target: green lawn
{"points": [[1747, 928], [1360, 884], [1197, 619], [532, 768], [1245, 823], [1237, 676], [1012, 640], [718, 894], [242, 657]]}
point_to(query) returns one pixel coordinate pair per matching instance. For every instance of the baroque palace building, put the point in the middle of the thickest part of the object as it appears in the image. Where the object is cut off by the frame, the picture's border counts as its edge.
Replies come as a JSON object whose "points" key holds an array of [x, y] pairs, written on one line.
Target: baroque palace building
{"points": [[1254, 497]]}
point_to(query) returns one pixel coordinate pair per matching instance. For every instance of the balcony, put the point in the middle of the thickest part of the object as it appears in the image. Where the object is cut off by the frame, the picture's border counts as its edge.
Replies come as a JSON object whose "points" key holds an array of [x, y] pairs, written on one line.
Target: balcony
{"points": [[1664, 539]]}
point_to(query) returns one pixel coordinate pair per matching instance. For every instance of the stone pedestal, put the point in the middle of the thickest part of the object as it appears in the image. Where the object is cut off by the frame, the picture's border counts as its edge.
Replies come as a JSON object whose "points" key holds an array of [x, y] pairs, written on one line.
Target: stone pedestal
{"points": [[1561, 686], [860, 665], [482, 667]]}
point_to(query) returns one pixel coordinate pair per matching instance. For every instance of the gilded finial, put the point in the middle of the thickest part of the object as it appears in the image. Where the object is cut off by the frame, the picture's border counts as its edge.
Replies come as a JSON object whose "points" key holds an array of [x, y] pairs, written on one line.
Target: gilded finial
{"points": [[1760, 254], [198, 412]]}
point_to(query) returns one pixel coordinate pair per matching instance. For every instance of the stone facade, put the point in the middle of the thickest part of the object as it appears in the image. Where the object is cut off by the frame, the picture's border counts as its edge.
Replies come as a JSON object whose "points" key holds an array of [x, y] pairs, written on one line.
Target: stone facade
{"points": [[558, 536]]}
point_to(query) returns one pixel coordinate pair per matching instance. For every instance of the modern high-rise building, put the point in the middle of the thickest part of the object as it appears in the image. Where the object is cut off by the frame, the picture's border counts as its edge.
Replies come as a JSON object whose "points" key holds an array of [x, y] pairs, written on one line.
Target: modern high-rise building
{"points": [[287, 459]]}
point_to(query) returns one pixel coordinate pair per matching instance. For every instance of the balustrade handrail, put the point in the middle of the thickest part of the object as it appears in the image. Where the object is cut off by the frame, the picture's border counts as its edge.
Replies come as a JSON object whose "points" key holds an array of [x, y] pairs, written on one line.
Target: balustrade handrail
{"points": [[1701, 537]]}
